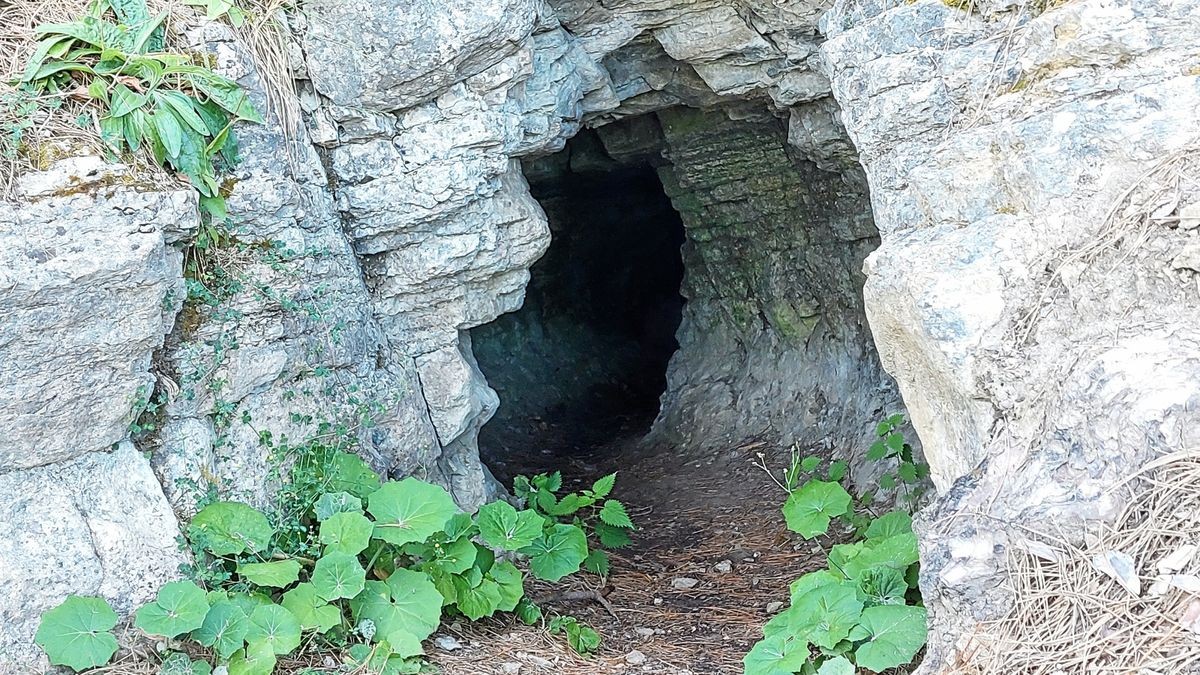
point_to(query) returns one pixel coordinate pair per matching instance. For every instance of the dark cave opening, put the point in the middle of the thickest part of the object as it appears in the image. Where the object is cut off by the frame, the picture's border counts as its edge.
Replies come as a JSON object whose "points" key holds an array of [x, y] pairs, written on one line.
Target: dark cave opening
{"points": [[582, 364]]}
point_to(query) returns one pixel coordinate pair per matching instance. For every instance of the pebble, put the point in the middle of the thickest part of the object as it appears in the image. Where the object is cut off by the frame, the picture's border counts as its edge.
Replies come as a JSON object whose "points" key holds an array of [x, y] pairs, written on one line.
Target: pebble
{"points": [[635, 658], [446, 643], [773, 607], [644, 632], [535, 660], [510, 668], [658, 601], [684, 583], [723, 567]]}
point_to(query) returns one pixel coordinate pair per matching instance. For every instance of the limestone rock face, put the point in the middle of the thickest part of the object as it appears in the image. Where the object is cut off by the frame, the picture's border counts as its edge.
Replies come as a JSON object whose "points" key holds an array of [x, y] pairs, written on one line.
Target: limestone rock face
{"points": [[1043, 356]]}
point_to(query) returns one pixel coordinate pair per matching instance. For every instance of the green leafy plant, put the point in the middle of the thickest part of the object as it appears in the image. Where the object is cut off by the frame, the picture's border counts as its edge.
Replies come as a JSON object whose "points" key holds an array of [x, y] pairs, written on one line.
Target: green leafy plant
{"points": [[217, 9], [171, 106], [904, 471], [593, 517], [363, 565], [863, 611]]}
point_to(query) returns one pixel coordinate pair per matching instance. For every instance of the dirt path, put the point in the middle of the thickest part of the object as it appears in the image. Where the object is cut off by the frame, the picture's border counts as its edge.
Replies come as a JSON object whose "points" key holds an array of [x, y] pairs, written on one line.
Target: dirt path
{"points": [[716, 523]]}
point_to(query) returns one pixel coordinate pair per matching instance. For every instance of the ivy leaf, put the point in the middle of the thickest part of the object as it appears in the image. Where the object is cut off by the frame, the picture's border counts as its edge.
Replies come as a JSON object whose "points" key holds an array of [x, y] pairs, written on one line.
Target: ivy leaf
{"points": [[838, 665], [276, 574], [338, 575], [313, 612], [890, 524], [893, 633], [179, 608], [613, 513], [829, 612], [809, 509], [230, 528], [257, 659], [336, 502], [346, 532], [511, 583], [502, 527], [601, 488], [409, 510], [407, 601], [224, 628], [478, 601], [611, 537], [558, 552], [76, 633], [350, 473], [597, 563], [779, 655], [274, 626]]}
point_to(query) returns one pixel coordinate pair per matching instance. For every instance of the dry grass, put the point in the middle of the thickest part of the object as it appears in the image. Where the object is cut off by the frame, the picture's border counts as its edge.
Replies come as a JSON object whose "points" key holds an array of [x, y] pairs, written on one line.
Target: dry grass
{"points": [[1069, 617], [61, 127]]}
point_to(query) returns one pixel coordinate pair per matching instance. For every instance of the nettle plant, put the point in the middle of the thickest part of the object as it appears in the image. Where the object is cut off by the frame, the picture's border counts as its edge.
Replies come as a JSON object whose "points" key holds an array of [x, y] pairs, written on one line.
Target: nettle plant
{"points": [[346, 562], [601, 520], [171, 106], [863, 611]]}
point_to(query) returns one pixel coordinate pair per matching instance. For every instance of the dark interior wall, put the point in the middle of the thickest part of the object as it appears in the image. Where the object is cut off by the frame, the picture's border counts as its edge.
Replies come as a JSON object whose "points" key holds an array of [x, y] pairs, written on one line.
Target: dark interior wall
{"points": [[584, 361]]}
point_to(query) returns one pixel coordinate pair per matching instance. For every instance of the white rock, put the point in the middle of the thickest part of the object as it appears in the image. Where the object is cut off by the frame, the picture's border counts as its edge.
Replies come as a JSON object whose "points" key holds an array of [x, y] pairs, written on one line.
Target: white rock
{"points": [[635, 658], [684, 583]]}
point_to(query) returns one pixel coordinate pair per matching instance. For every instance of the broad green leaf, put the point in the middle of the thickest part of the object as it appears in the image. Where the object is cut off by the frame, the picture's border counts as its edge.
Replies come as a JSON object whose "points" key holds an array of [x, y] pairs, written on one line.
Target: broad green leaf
{"points": [[349, 472], [883, 586], [830, 611], [558, 552], [337, 502], [274, 626], [810, 581], [597, 563], [889, 525], [258, 658], [896, 552], [877, 451], [580, 636], [511, 582], [76, 633], [612, 537], [276, 574], [125, 101], [227, 94], [837, 471], [527, 612], [603, 487], [180, 107], [407, 601], [346, 532], [478, 601], [169, 131], [460, 525], [549, 482], [313, 612], [613, 513], [40, 53], [404, 645], [809, 509], [230, 528], [179, 663], [810, 464], [777, 655], [455, 557], [569, 505], [503, 527], [409, 510], [838, 665], [893, 633], [338, 575], [179, 608], [224, 628]]}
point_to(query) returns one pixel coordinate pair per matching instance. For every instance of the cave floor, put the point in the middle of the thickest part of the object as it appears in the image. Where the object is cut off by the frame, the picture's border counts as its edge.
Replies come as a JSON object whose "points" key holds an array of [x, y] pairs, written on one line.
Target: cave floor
{"points": [[692, 517]]}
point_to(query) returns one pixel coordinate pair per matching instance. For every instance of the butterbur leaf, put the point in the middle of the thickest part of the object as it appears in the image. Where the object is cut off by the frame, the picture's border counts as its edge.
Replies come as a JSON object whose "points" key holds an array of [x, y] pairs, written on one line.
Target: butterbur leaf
{"points": [[883, 586], [338, 575], [838, 665], [478, 601], [313, 612], [274, 626], [503, 527], [409, 510], [781, 654], [528, 612], [277, 574], [258, 658], [77, 633], [613, 513], [346, 532], [895, 552], [350, 473], [612, 537], [558, 552], [179, 608], [893, 634], [511, 583], [809, 509], [830, 611], [810, 581], [179, 663], [408, 601], [454, 557], [337, 502], [597, 563], [224, 628], [230, 528], [890, 524], [603, 487]]}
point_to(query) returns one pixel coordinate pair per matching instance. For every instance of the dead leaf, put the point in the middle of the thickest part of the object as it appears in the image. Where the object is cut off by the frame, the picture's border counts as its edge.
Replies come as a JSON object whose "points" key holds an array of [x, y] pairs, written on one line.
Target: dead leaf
{"points": [[1119, 566]]}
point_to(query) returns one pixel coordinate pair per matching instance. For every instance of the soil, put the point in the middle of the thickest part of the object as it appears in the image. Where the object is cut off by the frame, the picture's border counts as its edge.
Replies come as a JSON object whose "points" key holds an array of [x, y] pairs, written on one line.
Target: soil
{"points": [[695, 520]]}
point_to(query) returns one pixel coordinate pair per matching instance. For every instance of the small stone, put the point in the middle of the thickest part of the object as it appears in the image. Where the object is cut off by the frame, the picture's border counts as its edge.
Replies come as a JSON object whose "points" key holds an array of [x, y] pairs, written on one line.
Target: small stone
{"points": [[644, 632], [510, 668], [684, 583], [658, 601], [774, 606], [1189, 217], [535, 660], [723, 567], [635, 658], [1188, 258], [446, 643]]}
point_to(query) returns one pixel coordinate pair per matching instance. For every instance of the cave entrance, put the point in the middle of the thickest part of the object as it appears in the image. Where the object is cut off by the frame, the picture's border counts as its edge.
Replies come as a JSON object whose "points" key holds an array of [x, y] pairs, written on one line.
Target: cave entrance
{"points": [[581, 366]]}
